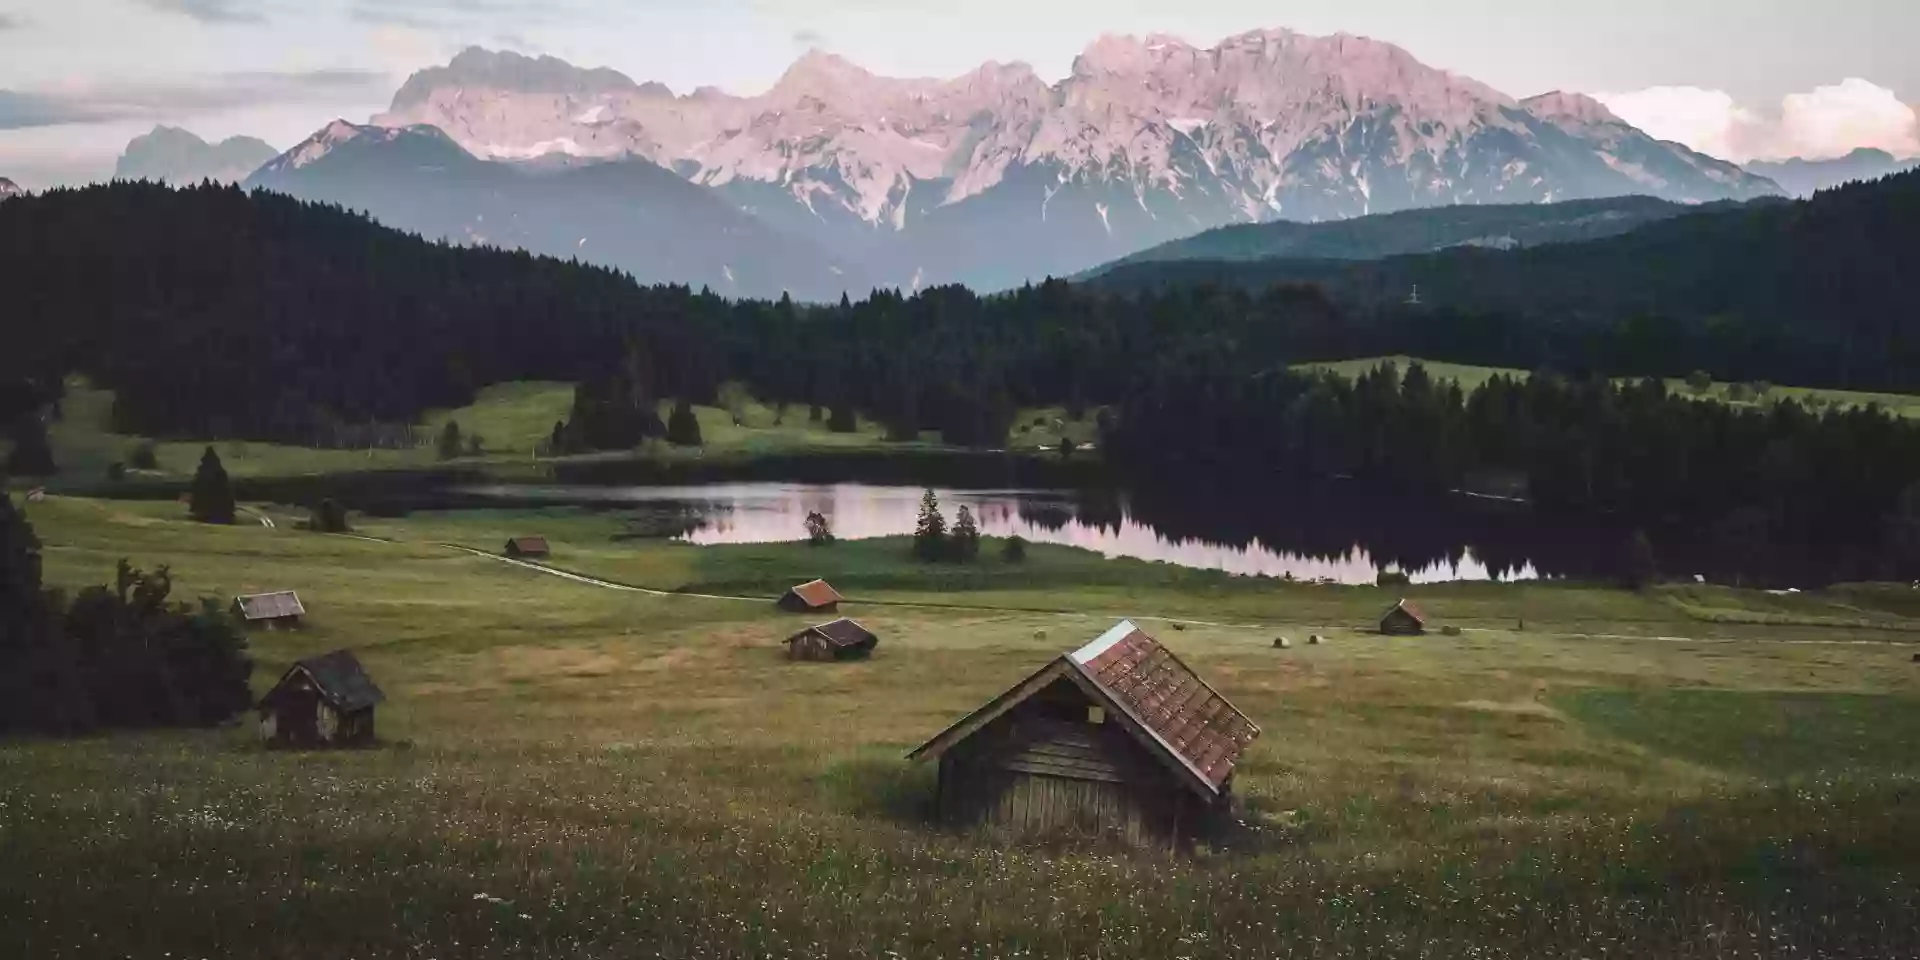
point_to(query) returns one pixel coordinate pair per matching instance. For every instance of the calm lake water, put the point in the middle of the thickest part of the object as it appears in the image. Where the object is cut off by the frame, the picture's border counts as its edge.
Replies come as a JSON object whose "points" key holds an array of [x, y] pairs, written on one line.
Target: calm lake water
{"points": [[1301, 538]]}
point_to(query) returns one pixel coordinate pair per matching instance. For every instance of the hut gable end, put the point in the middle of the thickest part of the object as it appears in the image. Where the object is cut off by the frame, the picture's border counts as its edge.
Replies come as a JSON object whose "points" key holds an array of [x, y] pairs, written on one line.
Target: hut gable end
{"points": [[528, 547]]}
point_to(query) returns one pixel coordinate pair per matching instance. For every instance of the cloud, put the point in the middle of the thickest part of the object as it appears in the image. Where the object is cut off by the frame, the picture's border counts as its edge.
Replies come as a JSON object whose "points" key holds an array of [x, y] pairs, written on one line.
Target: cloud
{"points": [[448, 14], [10, 21], [20, 110], [211, 11], [1822, 123]]}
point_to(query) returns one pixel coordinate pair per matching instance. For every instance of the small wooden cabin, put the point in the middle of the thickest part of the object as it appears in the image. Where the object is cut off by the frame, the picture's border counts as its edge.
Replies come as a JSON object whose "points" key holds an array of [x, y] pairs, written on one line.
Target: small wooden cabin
{"points": [[843, 639], [1403, 620], [524, 547], [281, 609], [814, 596], [324, 701], [1118, 739]]}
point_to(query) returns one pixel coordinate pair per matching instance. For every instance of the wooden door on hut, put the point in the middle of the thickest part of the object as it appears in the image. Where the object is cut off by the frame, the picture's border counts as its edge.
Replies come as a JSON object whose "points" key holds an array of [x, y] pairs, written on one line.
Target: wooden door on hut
{"points": [[324, 701], [1119, 740]]}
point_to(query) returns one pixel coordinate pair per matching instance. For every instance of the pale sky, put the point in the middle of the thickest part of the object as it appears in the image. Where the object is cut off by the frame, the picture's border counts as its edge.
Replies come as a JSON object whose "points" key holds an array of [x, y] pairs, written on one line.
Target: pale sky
{"points": [[78, 78]]}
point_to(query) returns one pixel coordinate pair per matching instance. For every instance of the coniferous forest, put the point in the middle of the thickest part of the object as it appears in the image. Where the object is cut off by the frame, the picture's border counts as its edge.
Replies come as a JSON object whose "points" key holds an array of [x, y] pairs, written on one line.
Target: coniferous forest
{"points": [[217, 313]]}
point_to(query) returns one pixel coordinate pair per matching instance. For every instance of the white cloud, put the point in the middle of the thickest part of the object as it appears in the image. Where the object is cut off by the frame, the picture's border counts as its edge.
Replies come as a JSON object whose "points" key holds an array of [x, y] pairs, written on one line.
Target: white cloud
{"points": [[1822, 123]]}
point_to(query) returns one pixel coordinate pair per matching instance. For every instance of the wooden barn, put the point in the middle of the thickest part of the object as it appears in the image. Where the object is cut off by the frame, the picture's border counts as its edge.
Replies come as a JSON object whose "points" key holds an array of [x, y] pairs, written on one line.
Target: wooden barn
{"points": [[843, 639], [324, 701], [814, 596], [528, 547], [1403, 620], [281, 609], [1118, 739]]}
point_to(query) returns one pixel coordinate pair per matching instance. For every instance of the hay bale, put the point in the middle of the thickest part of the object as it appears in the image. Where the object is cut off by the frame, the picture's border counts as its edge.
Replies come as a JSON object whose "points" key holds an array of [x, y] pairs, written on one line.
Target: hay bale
{"points": [[1916, 658], [1179, 626], [1449, 631], [1282, 643], [1316, 640], [1039, 634]]}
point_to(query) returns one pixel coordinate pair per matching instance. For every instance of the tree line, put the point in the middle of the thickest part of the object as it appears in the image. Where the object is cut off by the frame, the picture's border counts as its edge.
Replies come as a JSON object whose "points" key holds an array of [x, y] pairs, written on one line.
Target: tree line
{"points": [[117, 656]]}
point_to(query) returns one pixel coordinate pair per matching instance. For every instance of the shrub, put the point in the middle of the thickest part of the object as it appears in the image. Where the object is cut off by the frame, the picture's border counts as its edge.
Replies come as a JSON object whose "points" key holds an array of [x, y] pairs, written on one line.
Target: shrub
{"points": [[1015, 549], [145, 456]]}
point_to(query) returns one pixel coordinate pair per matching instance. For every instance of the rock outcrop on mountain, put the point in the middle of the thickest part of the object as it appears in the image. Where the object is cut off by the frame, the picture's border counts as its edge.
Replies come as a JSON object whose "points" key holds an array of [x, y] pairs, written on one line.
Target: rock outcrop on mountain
{"points": [[627, 213], [997, 176], [173, 155], [10, 189], [1802, 178]]}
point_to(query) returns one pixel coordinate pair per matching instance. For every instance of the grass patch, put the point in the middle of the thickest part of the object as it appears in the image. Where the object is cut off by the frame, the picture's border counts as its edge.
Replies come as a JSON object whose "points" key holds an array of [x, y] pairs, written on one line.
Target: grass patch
{"points": [[571, 771], [1768, 734]]}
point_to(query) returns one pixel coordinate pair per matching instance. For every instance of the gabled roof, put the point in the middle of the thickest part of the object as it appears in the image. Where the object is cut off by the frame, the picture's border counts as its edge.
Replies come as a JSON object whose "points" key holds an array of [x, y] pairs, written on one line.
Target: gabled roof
{"points": [[1411, 610], [270, 606], [1176, 715], [816, 594], [841, 634], [529, 544], [337, 677]]}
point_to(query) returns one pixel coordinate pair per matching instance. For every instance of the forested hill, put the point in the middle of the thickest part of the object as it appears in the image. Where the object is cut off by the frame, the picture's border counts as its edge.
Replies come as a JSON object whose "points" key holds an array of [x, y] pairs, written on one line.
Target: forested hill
{"points": [[216, 312], [1836, 275], [1494, 226]]}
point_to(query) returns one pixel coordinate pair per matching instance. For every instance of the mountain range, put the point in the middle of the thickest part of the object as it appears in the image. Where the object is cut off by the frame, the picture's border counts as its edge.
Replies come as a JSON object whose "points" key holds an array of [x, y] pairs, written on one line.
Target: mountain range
{"points": [[9, 189], [172, 155], [1802, 178], [997, 177]]}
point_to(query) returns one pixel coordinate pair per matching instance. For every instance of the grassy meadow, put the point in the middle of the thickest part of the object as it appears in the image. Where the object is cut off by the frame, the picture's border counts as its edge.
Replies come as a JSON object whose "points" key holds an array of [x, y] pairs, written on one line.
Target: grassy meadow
{"points": [[573, 771]]}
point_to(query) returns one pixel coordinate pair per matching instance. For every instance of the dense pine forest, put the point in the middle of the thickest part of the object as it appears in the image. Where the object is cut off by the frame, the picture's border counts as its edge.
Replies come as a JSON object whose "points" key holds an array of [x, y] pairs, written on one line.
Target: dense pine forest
{"points": [[218, 313]]}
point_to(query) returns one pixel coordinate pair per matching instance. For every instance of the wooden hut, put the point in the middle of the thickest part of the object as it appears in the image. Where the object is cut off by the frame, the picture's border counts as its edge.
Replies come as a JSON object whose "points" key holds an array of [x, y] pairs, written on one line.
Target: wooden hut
{"points": [[280, 609], [842, 639], [528, 547], [1117, 739], [814, 596], [324, 701], [1403, 620]]}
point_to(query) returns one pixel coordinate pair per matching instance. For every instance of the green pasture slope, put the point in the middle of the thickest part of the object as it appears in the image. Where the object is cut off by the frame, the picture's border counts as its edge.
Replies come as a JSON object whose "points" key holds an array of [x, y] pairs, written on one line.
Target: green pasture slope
{"points": [[573, 771]]}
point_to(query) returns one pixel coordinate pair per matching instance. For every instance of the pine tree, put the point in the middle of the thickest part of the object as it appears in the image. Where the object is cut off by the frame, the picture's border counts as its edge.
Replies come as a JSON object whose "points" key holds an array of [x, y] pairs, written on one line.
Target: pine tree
{"points": [[450, 445], [329, 517], [1641, 570], [965, 544], [930, 534], [212, 498], [559, 443], [683, 428], [842, 420], [32, 455], [39, 675]]}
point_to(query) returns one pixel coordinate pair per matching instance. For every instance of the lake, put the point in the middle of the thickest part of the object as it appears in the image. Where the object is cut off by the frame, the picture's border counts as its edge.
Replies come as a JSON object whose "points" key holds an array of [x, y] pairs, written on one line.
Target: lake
{"points": [[1297, 536]]}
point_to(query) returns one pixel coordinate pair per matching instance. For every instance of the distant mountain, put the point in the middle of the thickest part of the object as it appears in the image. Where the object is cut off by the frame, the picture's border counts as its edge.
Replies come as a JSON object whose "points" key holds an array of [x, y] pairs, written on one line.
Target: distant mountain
{"points": [[1802, 177], [1834, 270], [173, 155], [996, 177], [10, 189], [1499, 227], [626, 213]]}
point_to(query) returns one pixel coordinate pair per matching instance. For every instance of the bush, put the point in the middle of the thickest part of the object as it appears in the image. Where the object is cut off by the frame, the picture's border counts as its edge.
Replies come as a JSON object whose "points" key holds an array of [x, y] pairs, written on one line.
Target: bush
{"points": [[329, 517], [145, 456], [683, 428], [1700, 381], [1015, 550], [819, 532]]}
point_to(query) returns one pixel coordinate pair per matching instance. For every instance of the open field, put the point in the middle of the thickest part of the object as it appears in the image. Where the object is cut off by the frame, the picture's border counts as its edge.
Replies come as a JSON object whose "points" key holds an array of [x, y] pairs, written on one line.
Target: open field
{"points": [[1469, 377], [514, 421], [571, 771]]}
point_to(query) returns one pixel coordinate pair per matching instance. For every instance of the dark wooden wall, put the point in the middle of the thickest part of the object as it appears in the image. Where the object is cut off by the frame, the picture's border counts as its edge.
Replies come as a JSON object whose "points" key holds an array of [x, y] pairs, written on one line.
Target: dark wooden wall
{"points": [[1400, 623], [1044, 769]]}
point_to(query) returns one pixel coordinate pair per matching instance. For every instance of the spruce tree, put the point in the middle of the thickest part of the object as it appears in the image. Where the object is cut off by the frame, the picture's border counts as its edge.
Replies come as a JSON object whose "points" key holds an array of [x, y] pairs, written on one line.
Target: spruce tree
{"points": [[683, 428], [32, 455], [842, 420], [39, 676], [1640, 568], [212, 497], [965, 544], [930, 534], [450, 445]]}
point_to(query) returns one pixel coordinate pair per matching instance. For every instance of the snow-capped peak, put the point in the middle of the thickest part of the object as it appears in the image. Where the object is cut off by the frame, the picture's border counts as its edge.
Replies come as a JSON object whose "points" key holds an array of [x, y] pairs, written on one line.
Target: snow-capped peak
{"points": [[10, 189]]}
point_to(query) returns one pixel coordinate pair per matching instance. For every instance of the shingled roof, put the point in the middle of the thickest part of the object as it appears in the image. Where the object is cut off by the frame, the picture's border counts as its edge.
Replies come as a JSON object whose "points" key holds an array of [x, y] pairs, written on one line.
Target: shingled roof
{"points": [[1411, 610], [338, 678], [816, 594], [270, 606], [1165, 706], [531, 546]]}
